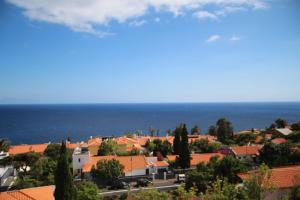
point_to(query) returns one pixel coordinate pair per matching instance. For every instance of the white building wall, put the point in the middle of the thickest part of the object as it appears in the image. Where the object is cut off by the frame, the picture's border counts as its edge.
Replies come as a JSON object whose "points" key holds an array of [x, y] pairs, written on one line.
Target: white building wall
{"points": [[78, 160], [136, 172]]}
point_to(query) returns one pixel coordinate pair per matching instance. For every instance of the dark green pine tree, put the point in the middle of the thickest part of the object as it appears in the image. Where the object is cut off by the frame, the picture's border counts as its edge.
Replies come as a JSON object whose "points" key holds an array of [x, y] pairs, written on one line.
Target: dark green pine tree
{"points": [[177, 141], [64, 186], [185, 154]]}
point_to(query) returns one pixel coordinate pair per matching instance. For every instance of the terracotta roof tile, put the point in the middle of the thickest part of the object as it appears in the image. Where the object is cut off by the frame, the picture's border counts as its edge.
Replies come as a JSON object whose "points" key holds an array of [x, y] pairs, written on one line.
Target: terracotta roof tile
{"points": [[136, 162], [246, 150], [37, 193], [198, 157], [204, 157], [25, 148], [281, 177], [279, 140]]}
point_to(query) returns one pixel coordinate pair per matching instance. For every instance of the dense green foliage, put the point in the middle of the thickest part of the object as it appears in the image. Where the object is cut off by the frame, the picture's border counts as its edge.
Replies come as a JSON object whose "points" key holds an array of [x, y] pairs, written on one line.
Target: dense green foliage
{"points": [[23, 162], [296, 126], [185, 154], [279, 154], [224, 169], [4, 145], [204, 146], [224, 131], [177, 140], [151, 194], [52, 151], [244, 138], [158, 146], [88, 191], [108, 170], [195, 130], [258, 183], [108, 147], [64, 186], [280, 123]]}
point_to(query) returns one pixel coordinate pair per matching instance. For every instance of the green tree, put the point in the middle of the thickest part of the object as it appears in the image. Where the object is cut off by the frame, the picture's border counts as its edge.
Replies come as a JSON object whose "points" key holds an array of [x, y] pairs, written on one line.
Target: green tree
{"points": [[245, 138], [151, 194], [296, 126], [4, 145], [108, 170], [87, 190], [221, 190], [108, 147], [151, 131], [64, 186], [199, 178], [195, 130], [276, 154], [294, 136], [150, 145], [228, 169], [200, 146], [43, 171], [52, 151], [212, 131], [281, 123], [259, 183], [24, 161], [224, 130], [184, 155], [177, 140]]}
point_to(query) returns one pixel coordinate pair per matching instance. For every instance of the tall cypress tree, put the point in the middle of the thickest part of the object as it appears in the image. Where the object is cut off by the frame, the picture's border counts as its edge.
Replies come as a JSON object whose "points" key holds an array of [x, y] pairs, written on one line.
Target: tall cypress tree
{"points": [[64, 186], [185, 155], [177, 141]]}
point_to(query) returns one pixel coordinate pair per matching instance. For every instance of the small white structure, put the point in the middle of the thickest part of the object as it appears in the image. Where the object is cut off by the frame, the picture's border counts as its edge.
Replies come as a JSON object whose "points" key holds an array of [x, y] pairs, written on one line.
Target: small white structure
{"points": [[284, 131], [155, 166], [81, 156], [3, 155]]}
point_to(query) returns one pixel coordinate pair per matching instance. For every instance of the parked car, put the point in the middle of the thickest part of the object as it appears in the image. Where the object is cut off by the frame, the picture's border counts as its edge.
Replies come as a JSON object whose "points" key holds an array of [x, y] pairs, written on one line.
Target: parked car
{"points": [[180, 178], [143, 182], [118, 184]]}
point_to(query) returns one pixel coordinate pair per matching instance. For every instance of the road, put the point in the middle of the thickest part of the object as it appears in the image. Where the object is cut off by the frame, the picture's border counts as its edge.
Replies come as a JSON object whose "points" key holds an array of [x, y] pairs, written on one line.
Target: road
{"points": [[120, 192]]}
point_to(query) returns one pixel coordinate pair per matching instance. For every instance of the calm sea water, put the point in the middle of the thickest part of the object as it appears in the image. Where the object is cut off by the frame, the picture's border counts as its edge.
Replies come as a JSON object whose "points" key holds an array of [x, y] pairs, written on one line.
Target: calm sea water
{"points": [[44, 123]]}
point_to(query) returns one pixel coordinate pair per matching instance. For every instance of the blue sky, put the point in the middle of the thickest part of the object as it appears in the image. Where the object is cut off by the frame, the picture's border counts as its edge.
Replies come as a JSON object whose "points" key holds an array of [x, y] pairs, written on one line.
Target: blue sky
{"points": [[149, 51]]}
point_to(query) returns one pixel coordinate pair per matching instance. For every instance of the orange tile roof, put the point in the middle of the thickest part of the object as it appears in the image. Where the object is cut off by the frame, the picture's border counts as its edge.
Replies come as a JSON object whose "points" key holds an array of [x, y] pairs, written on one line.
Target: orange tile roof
{"points": [[161, 164], [246, 150], [279, 140], [73, 145], [198, 157], [171, 157], [204, 157], [94, 142], [281, 177], [25, 148], [36, 193], [137, 162]]}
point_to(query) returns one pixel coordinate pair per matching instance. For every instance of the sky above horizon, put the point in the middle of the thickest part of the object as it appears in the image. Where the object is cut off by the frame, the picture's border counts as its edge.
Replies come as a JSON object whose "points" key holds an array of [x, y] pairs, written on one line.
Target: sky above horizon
{"points": [[137, 51]]}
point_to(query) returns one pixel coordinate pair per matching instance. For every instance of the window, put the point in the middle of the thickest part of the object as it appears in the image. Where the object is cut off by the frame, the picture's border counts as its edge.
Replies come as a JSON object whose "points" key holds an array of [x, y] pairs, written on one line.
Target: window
{"points": [[78, 159]]}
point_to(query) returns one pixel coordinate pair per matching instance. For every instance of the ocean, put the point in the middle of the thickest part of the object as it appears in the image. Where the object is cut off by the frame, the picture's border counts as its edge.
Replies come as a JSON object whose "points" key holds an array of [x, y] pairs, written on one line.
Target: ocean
{"points": [[26, 124]]}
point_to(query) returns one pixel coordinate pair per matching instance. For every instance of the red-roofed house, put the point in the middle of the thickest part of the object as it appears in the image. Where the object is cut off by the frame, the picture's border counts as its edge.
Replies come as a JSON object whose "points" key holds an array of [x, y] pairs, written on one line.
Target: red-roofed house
{"points": [[36, 193], [197, 158], [279, 140], [26, 148], [283, 178], [250, 153], [133, 165]]}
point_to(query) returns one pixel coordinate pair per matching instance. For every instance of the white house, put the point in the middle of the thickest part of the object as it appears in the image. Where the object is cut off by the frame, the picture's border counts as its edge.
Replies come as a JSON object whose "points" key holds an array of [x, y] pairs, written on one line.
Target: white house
{"points": [[80, 157]]}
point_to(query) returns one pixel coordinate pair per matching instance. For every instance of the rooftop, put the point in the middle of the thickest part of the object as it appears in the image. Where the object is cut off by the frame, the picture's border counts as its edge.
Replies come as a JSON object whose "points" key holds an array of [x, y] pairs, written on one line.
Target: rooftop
{"points": [[37, 193], [281, 177]]}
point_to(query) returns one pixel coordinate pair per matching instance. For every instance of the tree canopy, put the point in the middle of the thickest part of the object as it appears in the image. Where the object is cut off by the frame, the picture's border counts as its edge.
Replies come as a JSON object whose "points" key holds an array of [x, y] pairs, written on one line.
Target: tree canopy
{"points": [[108, 170], [108, 147], [64, 186]]}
